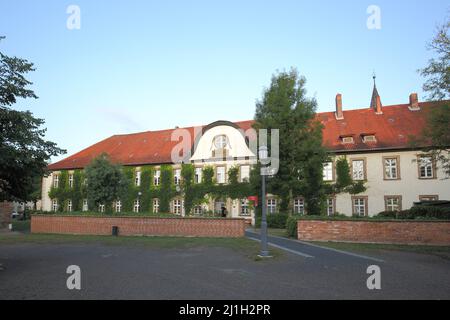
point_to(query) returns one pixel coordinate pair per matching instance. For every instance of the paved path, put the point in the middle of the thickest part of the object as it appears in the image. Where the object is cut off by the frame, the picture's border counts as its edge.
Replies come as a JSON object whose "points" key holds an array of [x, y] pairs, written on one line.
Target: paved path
{"points": [[308, 250]]}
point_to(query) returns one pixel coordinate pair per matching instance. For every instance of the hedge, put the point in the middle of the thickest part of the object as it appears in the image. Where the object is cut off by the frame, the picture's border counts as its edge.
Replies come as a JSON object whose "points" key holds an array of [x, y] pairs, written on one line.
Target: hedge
{"points": [[418, 212], [277, 220]]}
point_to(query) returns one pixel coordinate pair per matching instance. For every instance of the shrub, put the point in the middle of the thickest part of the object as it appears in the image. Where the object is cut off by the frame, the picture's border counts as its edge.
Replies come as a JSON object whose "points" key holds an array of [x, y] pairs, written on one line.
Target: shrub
{"points": [[291, 226], [430, 212], [277, 220]]}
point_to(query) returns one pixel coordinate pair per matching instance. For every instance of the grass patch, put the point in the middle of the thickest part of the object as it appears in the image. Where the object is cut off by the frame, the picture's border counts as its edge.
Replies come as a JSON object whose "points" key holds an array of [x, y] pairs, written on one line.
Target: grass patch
{"points": [[441, 251], [274, 232], [244, 246]]}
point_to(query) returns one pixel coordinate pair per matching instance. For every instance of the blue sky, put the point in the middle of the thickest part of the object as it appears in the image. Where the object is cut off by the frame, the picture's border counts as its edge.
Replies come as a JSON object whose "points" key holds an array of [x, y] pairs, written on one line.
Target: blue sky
{"points": [[148, 65]]}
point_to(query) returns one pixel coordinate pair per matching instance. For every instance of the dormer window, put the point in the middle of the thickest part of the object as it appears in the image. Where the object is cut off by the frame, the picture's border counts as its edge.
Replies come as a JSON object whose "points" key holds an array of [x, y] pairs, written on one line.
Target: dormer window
{"points": [[347, 139], [220, 142], [368, 138]]}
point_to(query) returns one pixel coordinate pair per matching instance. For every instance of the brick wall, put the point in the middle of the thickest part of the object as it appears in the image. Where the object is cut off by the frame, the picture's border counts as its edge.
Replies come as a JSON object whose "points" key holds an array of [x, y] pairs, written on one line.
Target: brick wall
{"points": [[185, 227], [6, 208], [398, 232]]}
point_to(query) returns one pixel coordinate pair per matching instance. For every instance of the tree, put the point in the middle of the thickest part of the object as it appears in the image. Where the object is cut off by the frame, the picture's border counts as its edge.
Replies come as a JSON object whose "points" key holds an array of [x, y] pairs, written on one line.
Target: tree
{"points": [[284, 106], [105, 182], [24, 153], [437, 130], [438, 69]]}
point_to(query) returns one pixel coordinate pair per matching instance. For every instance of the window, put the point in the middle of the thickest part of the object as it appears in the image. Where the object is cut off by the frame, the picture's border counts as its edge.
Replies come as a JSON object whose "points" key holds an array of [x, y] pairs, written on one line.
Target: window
{"points": [[391, 168], [118, 206], [155, 205], [136, 205], [101, 208], [245, 210], [70, 180], [69, 205], [198, 210], [245, 173], [426, 169], [220, 175], [157, 177], [198, 175], [330, 206], [358, 169], [137, 179], [393, 203], [85, 205], [346, 140], [55, 181], [177, 176], [359, 206], [220, 142], [177, 206], [369, 138], [271, 205], [299, 206], [328, 171], [54, 205], [429, 198]]}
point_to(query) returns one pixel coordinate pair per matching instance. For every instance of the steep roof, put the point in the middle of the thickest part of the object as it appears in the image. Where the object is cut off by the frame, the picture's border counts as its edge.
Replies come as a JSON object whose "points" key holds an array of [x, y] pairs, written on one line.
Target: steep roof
{"points": [[391, 129]]}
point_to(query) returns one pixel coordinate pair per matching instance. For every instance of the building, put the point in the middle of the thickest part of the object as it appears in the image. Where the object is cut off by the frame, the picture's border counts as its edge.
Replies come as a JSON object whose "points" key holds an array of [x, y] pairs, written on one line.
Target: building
{"points": [[375, 141]]}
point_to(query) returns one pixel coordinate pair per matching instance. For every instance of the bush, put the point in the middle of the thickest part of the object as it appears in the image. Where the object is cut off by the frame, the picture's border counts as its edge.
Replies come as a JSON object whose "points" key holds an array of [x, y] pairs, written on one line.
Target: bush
{"points": [[277, 220], [421, 212], [291, 226]]}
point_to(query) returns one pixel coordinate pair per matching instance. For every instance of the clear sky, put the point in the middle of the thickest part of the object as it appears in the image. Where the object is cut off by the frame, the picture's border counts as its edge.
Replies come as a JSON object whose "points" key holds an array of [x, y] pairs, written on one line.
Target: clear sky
{"points": [[147, 65]]}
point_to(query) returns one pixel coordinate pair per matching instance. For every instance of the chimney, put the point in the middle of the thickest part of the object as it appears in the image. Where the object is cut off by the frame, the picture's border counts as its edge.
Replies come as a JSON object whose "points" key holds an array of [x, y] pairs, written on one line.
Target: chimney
{"points": [[378, 105], [339, 114], [413, 102]]}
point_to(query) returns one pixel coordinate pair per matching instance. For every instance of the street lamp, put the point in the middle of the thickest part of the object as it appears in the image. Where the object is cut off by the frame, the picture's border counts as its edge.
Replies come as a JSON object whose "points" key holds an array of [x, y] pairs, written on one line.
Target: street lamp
{"points": [[263, 155]]}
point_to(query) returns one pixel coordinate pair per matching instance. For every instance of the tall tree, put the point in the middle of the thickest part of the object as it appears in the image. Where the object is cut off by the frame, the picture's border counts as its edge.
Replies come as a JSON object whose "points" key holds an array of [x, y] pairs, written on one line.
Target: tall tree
{"points": [[105, 182], [438, 69], [24, 153], [284, 106], [437, 130]]}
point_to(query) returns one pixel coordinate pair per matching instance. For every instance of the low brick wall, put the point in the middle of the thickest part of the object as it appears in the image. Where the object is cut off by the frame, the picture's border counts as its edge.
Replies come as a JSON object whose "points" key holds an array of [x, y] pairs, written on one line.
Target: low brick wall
{"points": [[396, 232], [130, 226], [6, 208]]}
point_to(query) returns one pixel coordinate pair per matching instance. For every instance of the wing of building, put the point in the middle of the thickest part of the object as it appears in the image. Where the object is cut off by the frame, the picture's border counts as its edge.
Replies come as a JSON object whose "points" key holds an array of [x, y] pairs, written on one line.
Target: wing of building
{"points": [[375, 140]]}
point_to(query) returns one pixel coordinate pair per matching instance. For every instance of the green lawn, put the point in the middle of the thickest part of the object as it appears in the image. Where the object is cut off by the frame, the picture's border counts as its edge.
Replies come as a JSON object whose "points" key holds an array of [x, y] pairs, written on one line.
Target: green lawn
{"points": [[274, 232], [248, 248], [441, 251]]}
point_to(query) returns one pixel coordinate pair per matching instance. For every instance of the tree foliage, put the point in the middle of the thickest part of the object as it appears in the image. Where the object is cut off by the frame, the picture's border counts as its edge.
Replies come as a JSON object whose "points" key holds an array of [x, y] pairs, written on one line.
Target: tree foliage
{"points": [[105, 181], [24, 152], [284, 106]]}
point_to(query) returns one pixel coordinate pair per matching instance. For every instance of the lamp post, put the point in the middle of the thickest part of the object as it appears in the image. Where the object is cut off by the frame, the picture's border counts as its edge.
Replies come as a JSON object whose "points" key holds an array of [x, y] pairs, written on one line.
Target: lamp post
{"points": [[263, 154]]}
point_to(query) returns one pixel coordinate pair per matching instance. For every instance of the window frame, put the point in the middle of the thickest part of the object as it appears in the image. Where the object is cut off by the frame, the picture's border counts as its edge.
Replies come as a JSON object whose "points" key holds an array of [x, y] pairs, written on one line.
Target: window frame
{"points": [[423, 196], [136, 204], [137, 178], [155, 205], [118, 206], [244, 205], [70, 180], [241, 179], [55, 183], [157, 177], [224, 174], [198, 174], [389, 197], [275, 206], [397, 159], [364, 169], [433, 167], [175, 206], [332, 171], [366, 205], [333, 206], [303, 211]]}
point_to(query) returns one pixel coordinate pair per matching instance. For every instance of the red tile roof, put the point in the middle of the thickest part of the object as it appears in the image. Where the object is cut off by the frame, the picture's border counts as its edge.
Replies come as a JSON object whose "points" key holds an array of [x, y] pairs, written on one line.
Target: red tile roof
{"points": [[391, 129]]}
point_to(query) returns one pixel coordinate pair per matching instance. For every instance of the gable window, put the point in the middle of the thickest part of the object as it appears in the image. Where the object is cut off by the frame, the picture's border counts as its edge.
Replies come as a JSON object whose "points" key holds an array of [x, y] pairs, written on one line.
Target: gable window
{"points": [[245, 210], [54, 205], [69, 205], [328, 171], [220, 175], [70, 180], [101, 208], [426, 168], [391, 168], [359, 206], [393, 203], [220, 141], [157, 177], [331, 206], [198, 175], [85, 205], [245, 173], [118, 206], [177, 176], [137, 179], [55, 181], [177, 206], [358, 169], [299, 206], [155, 205], [136, 205], [272, 205]]}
